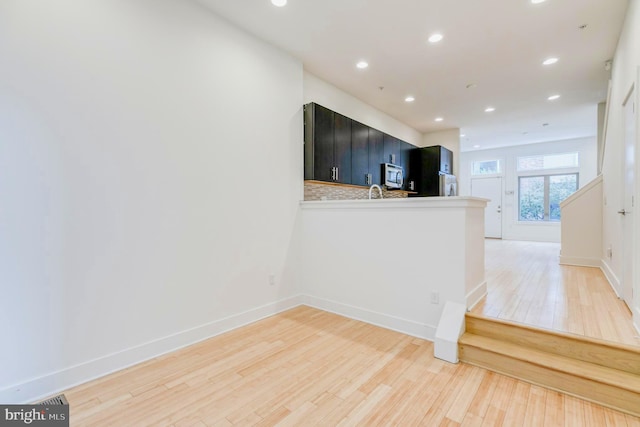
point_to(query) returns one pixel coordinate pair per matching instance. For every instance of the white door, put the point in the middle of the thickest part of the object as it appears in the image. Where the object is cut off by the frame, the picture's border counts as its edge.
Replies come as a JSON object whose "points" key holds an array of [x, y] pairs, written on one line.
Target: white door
{"points": [[628, 198], [490, 188]]}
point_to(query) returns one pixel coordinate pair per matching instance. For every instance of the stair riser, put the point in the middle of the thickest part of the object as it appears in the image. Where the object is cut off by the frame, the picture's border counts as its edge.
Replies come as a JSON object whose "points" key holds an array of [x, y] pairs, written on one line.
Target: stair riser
{"points": [[612, 356], [607, 395]]}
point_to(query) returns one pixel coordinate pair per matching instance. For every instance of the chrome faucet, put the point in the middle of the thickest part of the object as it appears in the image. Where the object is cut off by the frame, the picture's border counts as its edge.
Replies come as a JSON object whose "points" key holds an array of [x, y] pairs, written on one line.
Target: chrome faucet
{"points": [[375, 186]]}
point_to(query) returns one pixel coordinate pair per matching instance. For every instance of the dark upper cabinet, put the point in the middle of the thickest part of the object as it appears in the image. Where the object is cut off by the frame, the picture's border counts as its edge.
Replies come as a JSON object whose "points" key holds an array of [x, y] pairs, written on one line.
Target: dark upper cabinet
{"points": [[405, 162], [391, 149], [427, 164], [359, 153], [342, 148], [327, 145], [339, 149], [376, 156], [319, 141], [367, 154]]}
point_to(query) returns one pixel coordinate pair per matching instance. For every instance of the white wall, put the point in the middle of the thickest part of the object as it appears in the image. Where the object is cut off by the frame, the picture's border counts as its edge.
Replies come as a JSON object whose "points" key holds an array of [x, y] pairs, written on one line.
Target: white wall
{"points": [[624, 76], [150, 170], [581, 228], [380, 260], [512, 229], [318, 91]]}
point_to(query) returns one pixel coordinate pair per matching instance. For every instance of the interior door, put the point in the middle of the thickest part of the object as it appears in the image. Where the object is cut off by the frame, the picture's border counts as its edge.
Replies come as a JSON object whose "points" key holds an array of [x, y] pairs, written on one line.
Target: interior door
{"points": [[490, 188], [628, 199]]}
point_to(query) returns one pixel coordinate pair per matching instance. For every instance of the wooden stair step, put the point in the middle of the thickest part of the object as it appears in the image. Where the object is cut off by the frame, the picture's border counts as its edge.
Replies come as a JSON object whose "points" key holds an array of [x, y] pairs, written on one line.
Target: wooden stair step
{"points": [[604, 353], [611, 387]]}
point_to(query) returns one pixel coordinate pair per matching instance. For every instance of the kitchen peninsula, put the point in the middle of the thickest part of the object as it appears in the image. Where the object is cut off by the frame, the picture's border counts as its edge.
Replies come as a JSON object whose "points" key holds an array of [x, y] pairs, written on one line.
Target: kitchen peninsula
{"points": [[392, 262]]}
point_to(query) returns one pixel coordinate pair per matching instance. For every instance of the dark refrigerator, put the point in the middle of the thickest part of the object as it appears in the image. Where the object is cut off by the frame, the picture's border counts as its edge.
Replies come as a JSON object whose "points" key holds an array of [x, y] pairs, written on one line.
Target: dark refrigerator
{"points": [[431, 168]]}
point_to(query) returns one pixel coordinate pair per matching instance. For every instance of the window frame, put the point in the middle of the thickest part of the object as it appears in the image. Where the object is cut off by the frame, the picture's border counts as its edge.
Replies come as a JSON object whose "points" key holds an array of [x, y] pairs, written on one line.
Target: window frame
{"points": [[546, 196], [543, 169], [499, 162]]}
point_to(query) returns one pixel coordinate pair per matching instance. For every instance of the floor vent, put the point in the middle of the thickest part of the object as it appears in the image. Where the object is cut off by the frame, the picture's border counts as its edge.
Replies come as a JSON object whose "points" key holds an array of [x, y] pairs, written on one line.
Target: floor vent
{"points": [[56, 400]]}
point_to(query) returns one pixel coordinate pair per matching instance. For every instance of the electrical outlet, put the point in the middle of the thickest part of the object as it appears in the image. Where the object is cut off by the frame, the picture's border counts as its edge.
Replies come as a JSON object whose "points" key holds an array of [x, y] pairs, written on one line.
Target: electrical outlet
{"points": [[435, 297], [272, 280]]}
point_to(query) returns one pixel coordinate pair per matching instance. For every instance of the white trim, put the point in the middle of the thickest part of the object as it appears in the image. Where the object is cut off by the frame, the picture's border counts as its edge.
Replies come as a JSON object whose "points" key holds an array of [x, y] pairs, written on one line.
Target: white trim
{"points": [[611, 277], [47, 385], [405, 326], [580, 262], [476, 294]]}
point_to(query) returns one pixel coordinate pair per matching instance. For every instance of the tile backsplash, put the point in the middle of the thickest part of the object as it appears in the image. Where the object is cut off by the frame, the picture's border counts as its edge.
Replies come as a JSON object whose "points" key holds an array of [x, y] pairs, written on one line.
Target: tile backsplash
{"points": [[314, 190]]}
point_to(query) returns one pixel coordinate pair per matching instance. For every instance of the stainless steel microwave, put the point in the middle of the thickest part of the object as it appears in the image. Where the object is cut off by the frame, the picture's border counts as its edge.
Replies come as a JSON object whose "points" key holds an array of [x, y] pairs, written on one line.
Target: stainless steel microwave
{"points": [[393, 175]]}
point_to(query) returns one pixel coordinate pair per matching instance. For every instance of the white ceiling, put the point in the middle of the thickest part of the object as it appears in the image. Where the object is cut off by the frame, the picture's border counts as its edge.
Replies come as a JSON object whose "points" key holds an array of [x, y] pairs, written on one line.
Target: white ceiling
{"points": [[497, 45]]}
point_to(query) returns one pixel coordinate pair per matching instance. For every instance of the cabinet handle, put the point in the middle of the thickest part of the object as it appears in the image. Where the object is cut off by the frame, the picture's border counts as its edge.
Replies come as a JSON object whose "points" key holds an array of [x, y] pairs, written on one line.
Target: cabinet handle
{"points": [[333, 173], [337, 174]]}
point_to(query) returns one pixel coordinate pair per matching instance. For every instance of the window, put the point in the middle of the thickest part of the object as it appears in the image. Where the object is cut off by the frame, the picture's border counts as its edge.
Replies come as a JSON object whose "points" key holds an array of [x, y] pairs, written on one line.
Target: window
{"points": [[487, 167], [540, 196], [549, 161]]}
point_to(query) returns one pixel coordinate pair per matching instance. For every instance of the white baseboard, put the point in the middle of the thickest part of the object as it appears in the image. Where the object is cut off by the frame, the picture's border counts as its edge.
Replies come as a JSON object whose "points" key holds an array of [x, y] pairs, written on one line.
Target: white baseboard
{"points": [[611, 277], [580, 262], [409, 327], [55, 382], [476, 295]]}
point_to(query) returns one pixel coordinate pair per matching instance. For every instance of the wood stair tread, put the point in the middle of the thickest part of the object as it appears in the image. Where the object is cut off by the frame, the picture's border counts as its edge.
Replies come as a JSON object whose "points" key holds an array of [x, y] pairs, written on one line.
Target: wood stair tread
{"points": [[578, 368], [600, 352]]}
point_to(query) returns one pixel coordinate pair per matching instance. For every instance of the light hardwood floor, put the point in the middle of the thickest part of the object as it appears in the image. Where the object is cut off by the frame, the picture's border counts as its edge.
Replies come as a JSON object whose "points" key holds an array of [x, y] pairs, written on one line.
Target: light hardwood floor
{"points": [[307, 367], [526, 284]]}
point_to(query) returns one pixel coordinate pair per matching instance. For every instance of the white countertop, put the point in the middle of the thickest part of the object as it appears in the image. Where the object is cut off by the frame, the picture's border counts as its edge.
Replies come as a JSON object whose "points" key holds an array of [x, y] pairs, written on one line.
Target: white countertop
{"points": [[398, 203]]}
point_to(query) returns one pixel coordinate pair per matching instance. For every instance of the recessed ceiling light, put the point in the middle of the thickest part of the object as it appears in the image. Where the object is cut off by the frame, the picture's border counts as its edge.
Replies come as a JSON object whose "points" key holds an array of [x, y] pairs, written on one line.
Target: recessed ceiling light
{"points": [[279, 3], [553, 97], [462, 135], [362, 65], [435, 38], [549, 61], [537, 1], [409, 99], [476, 146], [439, 119], [489, 110]]}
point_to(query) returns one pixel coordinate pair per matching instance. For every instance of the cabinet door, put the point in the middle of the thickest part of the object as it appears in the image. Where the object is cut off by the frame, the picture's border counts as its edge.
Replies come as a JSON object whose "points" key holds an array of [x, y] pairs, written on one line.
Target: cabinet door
{"points": [[405, 157], [391, 149], [376, 155], [359, 153], [446, 160], [323, 143], [342, 150]]}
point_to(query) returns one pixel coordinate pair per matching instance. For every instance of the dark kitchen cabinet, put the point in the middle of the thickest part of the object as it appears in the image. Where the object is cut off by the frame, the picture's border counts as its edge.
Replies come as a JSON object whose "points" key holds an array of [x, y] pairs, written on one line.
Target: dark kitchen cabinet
{"points": [[327, 139], [427, 164], [366, 154], [391, 149], [405, 162], [359, 153], [339, 149], [342, 148], [376, 155]]}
